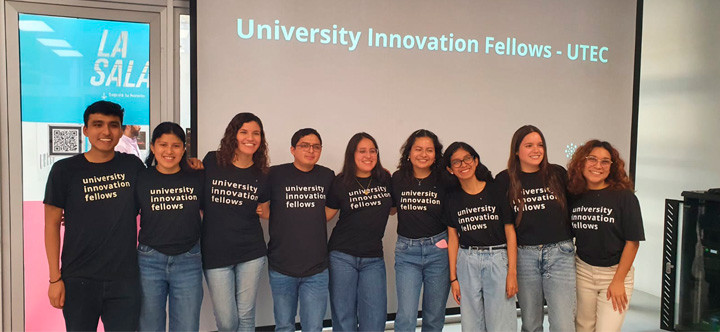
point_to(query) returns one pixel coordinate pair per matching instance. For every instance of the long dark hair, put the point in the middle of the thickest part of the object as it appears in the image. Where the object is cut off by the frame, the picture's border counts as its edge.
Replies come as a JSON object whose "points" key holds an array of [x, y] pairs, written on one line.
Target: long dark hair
{"points": [[168, 128], [229, 144], [482, 173], [617, 178], [550, 179], [349, 169], [405, 166]]}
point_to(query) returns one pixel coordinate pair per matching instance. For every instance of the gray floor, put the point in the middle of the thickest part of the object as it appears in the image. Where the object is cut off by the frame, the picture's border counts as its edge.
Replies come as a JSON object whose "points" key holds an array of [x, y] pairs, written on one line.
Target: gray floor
{"points": [[643, 316]]}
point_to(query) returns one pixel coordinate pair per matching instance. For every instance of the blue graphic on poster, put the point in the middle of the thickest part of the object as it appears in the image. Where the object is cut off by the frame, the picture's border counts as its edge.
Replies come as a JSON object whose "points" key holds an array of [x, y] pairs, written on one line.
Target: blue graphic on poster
{"points": [[69, 63]]}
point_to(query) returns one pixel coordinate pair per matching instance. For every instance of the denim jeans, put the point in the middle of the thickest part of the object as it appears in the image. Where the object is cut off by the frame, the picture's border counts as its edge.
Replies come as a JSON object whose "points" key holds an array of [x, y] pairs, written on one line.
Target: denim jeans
{"points": [[116, 302], [358, 292], [233, 290], [421, 264], [547, 271], [176, 280], [311, 292], [482, 275]]}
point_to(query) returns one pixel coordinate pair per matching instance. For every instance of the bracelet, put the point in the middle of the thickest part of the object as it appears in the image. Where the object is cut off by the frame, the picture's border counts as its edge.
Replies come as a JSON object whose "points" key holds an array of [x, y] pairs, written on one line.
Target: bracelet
{"points": [[58, 279], [454, 280]]}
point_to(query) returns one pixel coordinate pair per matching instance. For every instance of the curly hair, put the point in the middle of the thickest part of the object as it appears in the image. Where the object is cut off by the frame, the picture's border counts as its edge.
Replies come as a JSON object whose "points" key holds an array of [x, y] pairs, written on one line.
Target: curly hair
{"points": [[405, 166], [617, 178], [229, 144]]}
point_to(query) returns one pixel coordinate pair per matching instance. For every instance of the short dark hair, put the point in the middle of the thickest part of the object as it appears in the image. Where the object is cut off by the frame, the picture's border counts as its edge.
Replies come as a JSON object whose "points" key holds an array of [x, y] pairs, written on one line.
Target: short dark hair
{"points": [[302, 133], [104, 107]]}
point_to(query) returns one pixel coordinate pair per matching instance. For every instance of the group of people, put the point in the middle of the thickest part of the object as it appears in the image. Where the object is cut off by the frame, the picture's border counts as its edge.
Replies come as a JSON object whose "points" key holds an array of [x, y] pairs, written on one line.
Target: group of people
{"points": [[461, 231]]}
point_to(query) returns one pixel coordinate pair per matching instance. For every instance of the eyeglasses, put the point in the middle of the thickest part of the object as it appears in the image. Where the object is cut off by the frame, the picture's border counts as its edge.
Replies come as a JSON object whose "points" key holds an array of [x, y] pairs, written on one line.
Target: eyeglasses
{"points": [[373, 152], [592, 161], [308, 146], [457, 162]]}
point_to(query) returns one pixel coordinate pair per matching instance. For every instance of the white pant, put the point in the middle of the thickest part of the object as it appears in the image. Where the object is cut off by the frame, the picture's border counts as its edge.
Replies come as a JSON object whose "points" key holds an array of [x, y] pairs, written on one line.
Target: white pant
{"points": [[594, 311]]}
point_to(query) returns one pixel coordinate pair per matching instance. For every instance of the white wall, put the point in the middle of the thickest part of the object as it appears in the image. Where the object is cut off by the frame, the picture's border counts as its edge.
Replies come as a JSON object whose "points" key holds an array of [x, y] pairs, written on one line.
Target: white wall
{"points": [[678, 147]]}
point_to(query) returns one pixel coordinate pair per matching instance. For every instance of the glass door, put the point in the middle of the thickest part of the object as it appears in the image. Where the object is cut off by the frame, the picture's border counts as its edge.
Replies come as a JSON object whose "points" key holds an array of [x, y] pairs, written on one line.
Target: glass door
{"points": [[65, 65], [67, 58]]}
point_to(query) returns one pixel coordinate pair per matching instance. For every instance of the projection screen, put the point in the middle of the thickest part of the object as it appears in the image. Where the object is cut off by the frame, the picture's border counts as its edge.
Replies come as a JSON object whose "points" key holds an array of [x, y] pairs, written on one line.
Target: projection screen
{"points": [[468, 70]]}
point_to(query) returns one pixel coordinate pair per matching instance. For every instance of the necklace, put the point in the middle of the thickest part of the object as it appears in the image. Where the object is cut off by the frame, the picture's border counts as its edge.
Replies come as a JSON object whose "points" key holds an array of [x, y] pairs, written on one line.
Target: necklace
{"points": [[419, 181], [366, 190]]}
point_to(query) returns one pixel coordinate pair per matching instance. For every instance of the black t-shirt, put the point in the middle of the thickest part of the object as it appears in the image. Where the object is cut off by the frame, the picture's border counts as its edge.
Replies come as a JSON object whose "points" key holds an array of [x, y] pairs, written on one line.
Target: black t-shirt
{"points": [[602, 221], [480, 219], [100, 215], [169, 209], [298, 230], [544, 220], [419, 205], [231, 232], [363, 215]]}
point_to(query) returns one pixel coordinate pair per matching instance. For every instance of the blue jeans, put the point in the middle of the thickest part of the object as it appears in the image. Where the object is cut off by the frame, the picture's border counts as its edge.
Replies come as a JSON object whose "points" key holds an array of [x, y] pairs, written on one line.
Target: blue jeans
{"points": [[311, 292], [482, 275], [358, 292], [421, 264], [175, 279], [233, 290], [547, 271]]}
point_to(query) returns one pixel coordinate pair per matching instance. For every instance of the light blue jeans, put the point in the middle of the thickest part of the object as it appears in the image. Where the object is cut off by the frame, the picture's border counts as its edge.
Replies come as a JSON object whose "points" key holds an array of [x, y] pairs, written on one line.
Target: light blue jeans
{"points": [[421, 264], [358, 292], [233, 290], [175, 279], [311, 292], [482, 275], [547, 271]]}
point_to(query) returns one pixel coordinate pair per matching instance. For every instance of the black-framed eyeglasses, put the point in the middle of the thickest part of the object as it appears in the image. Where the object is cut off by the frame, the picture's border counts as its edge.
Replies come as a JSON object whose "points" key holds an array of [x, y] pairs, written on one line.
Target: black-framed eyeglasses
{"points": [[457, 162]]}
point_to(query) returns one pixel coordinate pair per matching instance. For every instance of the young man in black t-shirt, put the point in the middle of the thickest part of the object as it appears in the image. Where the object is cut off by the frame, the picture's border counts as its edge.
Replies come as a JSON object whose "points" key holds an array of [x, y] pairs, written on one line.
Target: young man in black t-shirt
{"points": [[94, 192], [297, 252]]}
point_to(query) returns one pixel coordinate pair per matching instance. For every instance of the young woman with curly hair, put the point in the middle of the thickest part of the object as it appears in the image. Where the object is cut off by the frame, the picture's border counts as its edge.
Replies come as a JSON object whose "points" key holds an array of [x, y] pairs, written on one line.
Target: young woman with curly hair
{"points": [[421, 256], [607, 223], [233, 246]]}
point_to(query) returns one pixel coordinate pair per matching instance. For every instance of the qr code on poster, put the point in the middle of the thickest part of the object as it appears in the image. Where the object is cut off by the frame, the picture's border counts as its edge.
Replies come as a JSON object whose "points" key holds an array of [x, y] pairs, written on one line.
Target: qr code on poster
{"points": [[65, 140]]}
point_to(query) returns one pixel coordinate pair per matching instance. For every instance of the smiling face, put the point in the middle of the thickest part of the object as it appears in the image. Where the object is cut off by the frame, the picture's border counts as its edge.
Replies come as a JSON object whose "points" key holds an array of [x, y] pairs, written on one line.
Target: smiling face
{"points": [[306, 152], [168, 150], [249, 137], [597, 168], [365, 158], [103, 132], [422, 153], [531, 152], [462, 165]]}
